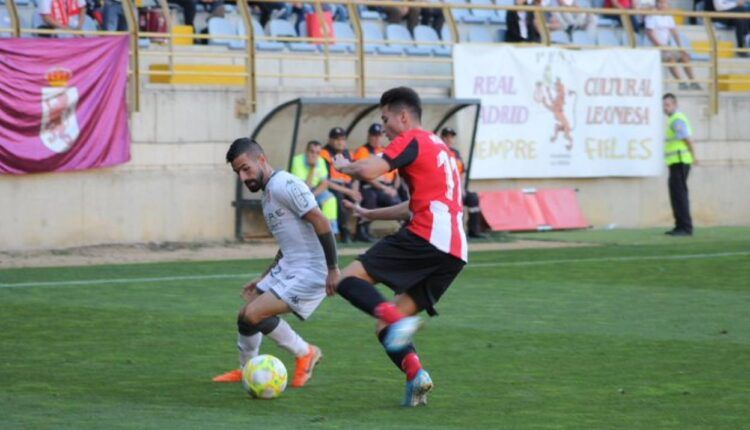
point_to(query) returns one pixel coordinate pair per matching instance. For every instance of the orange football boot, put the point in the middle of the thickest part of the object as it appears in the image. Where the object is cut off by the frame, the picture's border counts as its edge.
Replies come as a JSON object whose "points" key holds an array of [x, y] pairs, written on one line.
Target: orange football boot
{"points": [[231, 376], [304, 368]]}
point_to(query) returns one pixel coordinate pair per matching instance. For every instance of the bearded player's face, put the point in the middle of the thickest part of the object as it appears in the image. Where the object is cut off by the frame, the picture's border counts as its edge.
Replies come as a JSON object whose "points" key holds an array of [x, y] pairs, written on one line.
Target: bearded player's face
{"points": [[250, 172], [393, 121]]}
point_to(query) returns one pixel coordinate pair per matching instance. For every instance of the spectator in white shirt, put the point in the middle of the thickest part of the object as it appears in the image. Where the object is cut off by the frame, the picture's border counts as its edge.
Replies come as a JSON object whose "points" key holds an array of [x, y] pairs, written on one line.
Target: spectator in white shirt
{"points": [[63, 14], [660, 29], [571, 21], [741, 26]]}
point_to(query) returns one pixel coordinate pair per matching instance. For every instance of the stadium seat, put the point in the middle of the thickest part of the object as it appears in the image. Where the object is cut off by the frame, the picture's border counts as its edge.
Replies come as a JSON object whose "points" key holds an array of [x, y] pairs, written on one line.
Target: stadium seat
{"points": [[367, 14], [481, 35], [371, 32], [343, 30], [559, 37], [260, 45], [396, 33], [284, 28], [218, 26], [502, 13], [335, 48], [608, 37], [5, 22], [583, 38], [446, 35], [488, 15], [687, 44], [463, 15], [423, 33]]}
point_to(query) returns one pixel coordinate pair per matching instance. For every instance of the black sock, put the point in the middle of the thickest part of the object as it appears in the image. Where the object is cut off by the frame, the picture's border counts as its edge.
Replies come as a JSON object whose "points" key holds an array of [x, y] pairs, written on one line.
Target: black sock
{"points": [[396, 357], [361, 294]]}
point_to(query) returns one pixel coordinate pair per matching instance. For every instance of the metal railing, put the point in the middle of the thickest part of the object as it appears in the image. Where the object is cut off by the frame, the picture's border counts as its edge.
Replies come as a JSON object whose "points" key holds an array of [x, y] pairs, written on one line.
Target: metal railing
{"points": [[250, 55]]}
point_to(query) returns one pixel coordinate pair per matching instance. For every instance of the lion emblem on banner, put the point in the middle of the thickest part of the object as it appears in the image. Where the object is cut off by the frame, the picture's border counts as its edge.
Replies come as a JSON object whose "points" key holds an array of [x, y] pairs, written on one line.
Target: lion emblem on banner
{"points": [[59, 129]]}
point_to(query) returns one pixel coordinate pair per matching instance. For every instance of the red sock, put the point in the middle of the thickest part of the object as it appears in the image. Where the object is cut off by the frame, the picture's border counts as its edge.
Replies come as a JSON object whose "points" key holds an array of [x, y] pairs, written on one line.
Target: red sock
{"points": [[388, 312], [411, 365]]}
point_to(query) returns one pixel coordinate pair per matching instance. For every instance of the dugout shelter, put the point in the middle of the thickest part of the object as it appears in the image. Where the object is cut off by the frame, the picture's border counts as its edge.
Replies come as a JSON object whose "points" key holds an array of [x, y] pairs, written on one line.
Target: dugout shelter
{"points": [[286, 129]]}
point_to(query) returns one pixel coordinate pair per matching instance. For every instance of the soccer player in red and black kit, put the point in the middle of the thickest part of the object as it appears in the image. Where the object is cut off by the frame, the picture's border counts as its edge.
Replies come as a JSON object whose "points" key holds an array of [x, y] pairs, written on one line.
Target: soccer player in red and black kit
{"points": [[420, 261]]}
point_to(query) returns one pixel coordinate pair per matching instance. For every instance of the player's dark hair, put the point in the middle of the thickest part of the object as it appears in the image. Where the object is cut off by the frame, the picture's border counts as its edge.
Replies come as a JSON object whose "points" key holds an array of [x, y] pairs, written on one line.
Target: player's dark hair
{"points": [[669, 96], [312, 143], [241, 146], [400, 98]]}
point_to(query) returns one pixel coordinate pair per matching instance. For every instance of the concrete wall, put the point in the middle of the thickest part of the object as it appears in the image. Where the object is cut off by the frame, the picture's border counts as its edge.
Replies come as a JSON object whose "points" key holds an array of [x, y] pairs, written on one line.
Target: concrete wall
{"points": [[178, 188]]}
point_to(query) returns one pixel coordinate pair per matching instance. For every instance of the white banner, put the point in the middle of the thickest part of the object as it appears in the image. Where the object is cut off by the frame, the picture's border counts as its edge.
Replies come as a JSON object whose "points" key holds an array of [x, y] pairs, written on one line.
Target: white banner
{"points": [[549, 112]]}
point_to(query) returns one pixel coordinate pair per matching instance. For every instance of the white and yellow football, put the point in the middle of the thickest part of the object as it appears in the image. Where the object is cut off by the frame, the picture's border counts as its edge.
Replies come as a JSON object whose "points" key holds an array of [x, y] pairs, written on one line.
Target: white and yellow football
{"points": [[264, 377]]}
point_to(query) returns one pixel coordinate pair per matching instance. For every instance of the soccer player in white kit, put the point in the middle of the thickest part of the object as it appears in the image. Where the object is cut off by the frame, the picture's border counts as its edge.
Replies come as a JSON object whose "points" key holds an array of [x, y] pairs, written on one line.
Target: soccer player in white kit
{"points": [[297, 278]]}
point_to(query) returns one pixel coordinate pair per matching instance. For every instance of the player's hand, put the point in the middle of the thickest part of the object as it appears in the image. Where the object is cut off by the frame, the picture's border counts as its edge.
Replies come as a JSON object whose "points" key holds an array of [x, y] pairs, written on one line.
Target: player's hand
{"points": [[355, 195], [339, 162], [392, 192], [358, 210], [249, 289], [332, 281]]}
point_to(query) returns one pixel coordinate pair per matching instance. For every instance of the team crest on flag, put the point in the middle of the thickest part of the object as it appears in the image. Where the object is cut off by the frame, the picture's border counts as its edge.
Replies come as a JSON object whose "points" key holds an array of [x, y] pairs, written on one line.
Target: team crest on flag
{"points": [[59, 128]]}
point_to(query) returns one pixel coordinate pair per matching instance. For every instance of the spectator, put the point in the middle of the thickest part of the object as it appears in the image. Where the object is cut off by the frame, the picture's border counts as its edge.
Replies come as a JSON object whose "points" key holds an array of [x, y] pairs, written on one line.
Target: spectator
{"points": [[398, 14], [113, 16], [571, 21], [741, 26], [188, 10], [62, 14], [659, 30], [522, 25], [622, 5], [312, 168], [266, 10], [471, 199], [342, 186], [432, 17], [383, 191]]}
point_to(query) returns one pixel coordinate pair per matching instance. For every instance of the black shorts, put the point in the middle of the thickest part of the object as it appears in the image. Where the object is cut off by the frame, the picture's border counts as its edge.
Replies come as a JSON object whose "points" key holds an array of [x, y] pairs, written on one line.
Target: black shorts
{"points": [[406, 263]]}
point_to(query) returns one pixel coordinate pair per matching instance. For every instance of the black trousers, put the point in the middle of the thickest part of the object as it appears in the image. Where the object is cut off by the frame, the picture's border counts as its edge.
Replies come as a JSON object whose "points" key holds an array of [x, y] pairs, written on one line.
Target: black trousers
{"points": [[372, 198], [678, 196], [343, 212]]}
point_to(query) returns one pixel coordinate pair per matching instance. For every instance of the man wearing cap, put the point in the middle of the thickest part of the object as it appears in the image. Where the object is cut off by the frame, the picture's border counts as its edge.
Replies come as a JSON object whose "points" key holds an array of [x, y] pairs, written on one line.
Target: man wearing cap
{"points": [[383, 191], [471, 199], [341, 185]]}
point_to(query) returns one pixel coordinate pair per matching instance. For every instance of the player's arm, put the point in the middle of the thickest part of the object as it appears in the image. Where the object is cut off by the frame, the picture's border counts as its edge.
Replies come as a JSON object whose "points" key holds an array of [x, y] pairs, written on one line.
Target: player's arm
{"points": [[352, 193], [252, 285], [367, 169], [322, 228], [399, 212]]}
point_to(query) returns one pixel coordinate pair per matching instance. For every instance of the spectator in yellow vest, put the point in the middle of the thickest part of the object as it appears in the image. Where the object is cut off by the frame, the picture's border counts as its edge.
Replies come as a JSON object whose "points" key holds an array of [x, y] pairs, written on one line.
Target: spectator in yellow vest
{"points": [[679, 156]]}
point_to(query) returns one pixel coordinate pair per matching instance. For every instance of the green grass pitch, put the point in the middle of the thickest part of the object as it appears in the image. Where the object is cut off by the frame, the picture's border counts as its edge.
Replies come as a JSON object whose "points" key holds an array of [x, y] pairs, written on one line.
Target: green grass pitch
{"points": [[636, 331]]}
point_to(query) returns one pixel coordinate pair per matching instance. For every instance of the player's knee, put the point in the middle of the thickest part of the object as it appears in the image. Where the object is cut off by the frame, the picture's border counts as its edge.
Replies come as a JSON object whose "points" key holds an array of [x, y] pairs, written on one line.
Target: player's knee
{"points": [[347, 285], [249, 327], [379, 327], [251, 314]]}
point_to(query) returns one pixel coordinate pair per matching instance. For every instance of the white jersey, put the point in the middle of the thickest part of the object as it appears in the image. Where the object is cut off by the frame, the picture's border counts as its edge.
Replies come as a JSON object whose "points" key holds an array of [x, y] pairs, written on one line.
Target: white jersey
{"points": [[286, 199]]}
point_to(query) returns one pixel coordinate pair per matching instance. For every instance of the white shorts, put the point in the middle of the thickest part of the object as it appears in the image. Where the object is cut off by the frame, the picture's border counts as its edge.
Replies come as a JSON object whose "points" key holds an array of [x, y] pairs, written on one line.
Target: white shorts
{"points": [[302, 292]]}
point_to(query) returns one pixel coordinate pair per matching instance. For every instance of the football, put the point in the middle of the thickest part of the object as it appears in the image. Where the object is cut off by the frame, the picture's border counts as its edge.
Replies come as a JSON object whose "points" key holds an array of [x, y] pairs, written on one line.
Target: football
{"points": [[264, 377]]}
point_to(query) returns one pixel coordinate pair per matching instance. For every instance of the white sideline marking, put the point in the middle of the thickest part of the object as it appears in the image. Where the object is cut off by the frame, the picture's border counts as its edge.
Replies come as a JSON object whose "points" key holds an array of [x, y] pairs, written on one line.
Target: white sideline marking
{"points": [[128, 280], [470, 265], [599, 259]]}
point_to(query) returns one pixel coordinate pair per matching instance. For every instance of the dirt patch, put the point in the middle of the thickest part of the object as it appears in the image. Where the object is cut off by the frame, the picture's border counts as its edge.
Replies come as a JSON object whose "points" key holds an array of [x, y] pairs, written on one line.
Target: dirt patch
{"points": [[151, 253]]}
